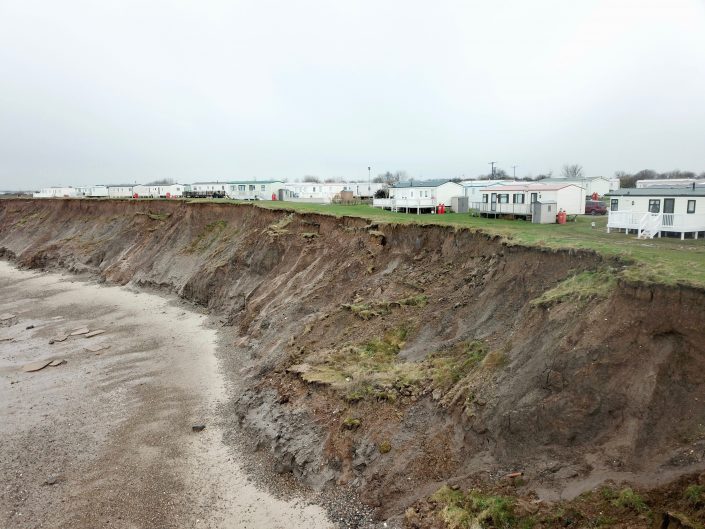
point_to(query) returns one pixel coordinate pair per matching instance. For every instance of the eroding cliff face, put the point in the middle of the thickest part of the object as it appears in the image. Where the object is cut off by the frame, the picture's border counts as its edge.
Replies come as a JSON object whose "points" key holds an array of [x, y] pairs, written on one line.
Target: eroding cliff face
{"points": [[395, 357]]}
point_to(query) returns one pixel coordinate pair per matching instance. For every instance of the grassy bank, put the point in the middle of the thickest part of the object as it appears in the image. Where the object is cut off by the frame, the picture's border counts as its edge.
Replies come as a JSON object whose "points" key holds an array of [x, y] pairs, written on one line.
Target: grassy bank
{"points": [[667, 261]]}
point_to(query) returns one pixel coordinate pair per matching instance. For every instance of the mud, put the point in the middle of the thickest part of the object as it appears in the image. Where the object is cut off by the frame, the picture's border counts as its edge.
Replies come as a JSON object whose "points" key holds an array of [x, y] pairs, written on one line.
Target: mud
{"points": [[106, 438], [581, 392]]}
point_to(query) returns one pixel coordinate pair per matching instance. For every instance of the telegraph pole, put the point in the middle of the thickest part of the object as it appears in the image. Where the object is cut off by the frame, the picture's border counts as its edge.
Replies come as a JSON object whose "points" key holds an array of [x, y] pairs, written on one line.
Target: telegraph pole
{"points": [[369, 180], [515, 171], [492, 164]]}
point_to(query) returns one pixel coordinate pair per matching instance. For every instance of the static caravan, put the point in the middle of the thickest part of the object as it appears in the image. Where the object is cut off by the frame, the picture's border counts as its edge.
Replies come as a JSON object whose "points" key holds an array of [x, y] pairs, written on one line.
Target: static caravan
{"points": [[57, 192], [473, 188], [594, 184], [316, 192], [365, 189], [120, 191], [97, 191], [254, 189], [159, 191], [652, 212], [420, 196], [670, 182], [518, 200]]}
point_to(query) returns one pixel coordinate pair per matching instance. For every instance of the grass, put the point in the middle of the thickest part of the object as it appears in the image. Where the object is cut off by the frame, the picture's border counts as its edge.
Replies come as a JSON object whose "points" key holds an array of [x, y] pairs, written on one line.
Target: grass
{"points": [[667, 261], [695, 495], [204, 239], [629, 499], [461, 510], [373, 371], [582, 287], [279, 228], [367, 311], [367, 371], [451, 367], [158, 216]]}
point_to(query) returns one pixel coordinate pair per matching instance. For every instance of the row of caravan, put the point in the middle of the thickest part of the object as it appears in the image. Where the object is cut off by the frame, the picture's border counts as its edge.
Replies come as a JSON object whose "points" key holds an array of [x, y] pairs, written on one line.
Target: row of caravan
{"points": [[119, 191], [239, 190]]}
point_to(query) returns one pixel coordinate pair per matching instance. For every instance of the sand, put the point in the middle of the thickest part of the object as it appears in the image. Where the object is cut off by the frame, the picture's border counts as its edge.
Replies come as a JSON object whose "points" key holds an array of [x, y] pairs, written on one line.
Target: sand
{"points": [[105, 439]]}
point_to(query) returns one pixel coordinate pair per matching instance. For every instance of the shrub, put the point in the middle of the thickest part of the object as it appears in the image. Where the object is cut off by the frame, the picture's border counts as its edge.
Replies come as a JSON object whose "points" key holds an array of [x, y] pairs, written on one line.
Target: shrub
{"points": [[694, 495], [629, 499]]}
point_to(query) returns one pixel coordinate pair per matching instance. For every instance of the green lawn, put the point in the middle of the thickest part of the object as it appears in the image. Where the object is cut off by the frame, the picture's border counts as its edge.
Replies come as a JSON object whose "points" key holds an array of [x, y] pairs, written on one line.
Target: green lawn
{"points": [[668, 260]]}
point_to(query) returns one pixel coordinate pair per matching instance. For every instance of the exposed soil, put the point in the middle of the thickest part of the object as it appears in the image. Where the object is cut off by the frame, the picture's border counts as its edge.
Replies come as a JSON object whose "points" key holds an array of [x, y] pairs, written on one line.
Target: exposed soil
{"points": [[571, 393]]}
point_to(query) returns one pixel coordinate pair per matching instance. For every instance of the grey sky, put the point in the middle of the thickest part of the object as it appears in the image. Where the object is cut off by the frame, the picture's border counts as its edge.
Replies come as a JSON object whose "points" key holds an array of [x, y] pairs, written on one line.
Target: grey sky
{"points": [[108, 91]]}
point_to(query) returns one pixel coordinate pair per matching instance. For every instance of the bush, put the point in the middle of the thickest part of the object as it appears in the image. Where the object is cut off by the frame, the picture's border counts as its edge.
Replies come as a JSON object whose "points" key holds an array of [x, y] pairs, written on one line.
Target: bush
{"points": [[629, 499], [694, 495]]}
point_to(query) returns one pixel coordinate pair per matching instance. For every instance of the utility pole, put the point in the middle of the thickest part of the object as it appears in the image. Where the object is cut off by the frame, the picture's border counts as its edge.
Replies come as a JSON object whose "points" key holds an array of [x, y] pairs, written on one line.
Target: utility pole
{"points": [[515, 171], [369, 180], [492, 164]]}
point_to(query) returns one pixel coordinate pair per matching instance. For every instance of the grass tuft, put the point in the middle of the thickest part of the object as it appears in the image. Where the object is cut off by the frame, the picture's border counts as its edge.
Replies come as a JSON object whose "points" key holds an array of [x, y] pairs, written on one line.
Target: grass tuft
{"points": [[695, 495], [629, 499], [584, 286], [461, 510], [207, 236]]}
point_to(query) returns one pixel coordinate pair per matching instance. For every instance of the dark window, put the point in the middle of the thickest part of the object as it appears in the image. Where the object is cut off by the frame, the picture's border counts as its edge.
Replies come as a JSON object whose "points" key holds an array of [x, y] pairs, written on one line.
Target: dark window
{"points": [[503, 198], [654, 205], [614, 204], [691, 206], [518, 198], [484, 198]]}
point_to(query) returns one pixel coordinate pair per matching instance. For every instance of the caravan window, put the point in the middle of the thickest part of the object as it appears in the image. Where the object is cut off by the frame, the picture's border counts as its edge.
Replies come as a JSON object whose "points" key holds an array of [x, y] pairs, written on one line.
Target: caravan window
{"points": [[518, 198], [691, 206], [614, 204], [241, 187], [654, 205], [262, 187], [484, 197], [503, 198]]}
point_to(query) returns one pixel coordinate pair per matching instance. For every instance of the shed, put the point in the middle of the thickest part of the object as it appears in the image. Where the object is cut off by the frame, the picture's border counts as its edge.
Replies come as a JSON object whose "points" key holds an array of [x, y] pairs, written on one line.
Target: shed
{"points": [[544, 212]]}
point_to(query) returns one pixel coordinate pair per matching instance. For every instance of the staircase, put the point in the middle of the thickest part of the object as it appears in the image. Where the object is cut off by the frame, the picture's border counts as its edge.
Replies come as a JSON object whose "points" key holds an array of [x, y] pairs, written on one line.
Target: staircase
{"points": [[650, 225]]}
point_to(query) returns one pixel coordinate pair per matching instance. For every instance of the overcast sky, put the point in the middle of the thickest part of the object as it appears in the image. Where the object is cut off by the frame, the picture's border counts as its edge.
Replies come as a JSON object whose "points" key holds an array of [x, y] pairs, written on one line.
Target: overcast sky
{"points": [[124, 91]]}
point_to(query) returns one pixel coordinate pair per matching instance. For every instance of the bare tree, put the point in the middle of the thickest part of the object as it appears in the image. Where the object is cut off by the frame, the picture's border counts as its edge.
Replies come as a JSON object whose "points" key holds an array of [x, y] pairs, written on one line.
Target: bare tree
{"points": [[677, 173], [390, 178], [312, 179], [626, 180], [646, 174], [572, 171]]}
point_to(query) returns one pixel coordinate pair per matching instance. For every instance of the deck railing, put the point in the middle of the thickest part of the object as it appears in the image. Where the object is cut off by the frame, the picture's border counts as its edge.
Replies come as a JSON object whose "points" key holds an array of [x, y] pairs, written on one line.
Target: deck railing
{"points": [[501, 208], [405, 203], [640, 221]]}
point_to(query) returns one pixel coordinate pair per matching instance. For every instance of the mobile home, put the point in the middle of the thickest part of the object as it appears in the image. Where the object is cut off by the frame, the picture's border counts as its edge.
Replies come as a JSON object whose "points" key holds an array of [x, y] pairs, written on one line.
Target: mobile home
{"points": [[519, 199], [57, 192], [420, 196], [652, 212]]}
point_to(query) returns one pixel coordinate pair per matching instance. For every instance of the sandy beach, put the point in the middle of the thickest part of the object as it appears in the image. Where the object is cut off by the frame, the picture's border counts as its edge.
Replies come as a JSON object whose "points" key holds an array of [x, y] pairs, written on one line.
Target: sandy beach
{"points": [[105, 438]]}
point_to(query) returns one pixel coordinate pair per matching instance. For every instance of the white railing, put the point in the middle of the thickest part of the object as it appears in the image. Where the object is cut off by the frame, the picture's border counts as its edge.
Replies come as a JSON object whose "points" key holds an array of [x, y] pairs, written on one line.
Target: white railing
{"points": [[626, 220], [656, 222], [650, 225], [405, 203], [501, 209]]}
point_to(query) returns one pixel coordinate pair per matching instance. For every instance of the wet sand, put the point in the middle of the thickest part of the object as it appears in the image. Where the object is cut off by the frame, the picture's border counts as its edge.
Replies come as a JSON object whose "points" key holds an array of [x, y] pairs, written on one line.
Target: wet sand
{"points": [[105, 439]]}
